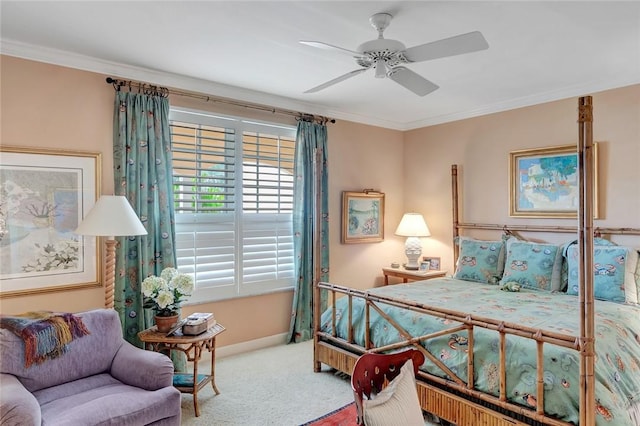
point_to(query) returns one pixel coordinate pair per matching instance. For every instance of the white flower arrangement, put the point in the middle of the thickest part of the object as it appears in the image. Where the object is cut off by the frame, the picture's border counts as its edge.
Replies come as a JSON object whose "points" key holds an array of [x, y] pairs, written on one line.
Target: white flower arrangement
{"points": [[164, 293]]}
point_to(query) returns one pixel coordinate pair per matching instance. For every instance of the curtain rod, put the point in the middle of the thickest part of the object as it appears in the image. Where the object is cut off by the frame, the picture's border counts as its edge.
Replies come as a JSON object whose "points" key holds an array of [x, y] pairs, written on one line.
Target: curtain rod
{"points": [[154, 90]]}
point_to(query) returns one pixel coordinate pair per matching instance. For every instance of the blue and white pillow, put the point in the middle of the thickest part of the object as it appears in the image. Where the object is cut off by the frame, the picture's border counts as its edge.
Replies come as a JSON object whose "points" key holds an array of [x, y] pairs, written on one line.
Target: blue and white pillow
{"points": [[533, 265], [565, 266], [614, 273], [480, 261]]}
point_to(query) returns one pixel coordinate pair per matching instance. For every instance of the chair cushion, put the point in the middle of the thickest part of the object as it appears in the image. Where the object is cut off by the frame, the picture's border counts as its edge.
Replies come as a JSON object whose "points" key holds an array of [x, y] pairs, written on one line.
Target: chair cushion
{"points": [[102, 400], [397, 403]]}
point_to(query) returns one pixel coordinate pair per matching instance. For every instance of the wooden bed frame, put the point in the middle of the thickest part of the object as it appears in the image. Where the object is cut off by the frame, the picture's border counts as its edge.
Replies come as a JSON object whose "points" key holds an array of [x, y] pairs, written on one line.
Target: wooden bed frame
{"points": [[457, 400]]}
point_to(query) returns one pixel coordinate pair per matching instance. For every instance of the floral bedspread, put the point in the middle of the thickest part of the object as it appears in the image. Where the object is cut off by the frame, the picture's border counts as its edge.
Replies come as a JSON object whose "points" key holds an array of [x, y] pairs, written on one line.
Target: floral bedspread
{"points": [[617, 343]]}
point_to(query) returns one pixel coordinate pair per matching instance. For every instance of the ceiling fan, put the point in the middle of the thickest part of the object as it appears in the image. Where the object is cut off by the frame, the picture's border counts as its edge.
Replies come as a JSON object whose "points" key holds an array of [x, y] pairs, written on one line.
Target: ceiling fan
{"points": [[385, 56]]}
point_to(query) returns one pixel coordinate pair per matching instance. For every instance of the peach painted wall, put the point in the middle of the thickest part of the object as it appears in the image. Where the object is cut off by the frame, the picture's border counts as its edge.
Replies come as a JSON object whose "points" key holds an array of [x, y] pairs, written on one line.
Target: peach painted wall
{"points": [[481, 146], [47, 106], [50, 106]]}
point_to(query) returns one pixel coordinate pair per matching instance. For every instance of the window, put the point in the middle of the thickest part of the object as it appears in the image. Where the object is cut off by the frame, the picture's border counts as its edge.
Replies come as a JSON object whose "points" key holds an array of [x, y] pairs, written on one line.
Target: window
{"points": [[233, 189]]}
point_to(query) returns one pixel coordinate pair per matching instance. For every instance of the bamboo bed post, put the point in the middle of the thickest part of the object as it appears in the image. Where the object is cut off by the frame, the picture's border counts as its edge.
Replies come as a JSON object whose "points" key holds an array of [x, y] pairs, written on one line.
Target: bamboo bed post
{"points": [[585, 238], [540, 375], [502, 360], [454, 209], [470, 369]]}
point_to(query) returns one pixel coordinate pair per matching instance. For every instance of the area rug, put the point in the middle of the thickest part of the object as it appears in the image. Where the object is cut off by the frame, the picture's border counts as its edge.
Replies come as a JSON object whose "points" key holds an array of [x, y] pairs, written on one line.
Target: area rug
{"points": [[345, 416]]}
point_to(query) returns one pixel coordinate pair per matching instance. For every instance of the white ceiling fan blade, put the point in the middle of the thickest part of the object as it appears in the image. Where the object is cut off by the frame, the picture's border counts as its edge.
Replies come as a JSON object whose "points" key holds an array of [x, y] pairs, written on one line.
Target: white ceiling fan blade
{"points": [[325, 46], [336, 80], [457, 45], [412, 81]]}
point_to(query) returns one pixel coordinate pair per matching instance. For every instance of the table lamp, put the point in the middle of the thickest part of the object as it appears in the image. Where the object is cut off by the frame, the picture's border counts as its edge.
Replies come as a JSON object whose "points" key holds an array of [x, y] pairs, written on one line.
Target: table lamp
{"points": [[412, 226], [111, 216]]}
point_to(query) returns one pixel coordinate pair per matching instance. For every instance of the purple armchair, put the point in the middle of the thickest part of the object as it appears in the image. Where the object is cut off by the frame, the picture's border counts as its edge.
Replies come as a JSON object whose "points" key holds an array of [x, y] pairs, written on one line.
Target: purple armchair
{"points": [[102, 379]]}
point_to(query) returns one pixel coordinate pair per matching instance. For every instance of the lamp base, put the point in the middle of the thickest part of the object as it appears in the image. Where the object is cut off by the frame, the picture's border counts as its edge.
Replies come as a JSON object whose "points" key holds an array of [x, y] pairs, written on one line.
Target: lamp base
{"points": [[413, 250]]}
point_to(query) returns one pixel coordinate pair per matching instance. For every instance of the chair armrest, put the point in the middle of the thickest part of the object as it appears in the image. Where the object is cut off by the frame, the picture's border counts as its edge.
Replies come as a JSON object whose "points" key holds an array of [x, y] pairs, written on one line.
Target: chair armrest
{"points": [[143, 369], [18, 406]]}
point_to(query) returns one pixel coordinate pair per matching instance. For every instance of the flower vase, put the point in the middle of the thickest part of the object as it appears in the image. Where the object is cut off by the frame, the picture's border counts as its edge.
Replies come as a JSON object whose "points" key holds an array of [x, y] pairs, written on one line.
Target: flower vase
{"points": [[165, 324]]}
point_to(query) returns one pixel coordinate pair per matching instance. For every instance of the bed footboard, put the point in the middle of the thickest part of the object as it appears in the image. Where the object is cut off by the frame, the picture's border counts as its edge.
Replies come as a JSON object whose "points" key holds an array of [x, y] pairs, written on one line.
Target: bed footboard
{"points": [[454, 399], [439, 402]]}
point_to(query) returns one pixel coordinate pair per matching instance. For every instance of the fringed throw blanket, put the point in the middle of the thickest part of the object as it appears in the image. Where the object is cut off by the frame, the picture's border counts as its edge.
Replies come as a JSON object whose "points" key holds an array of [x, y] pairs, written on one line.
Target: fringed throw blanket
{"points": [[45, 334]]}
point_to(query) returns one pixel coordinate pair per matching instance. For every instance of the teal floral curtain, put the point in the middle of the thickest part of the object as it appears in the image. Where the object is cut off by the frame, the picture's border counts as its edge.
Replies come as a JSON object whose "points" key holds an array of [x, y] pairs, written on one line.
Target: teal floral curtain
{"points": [[311, 138], [142, 173]]}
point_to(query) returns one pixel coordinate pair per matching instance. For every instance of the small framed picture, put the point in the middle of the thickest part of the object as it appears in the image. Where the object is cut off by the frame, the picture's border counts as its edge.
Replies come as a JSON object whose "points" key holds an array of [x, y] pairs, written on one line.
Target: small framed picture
{"points": [[424, 266], [362, 217], [434, 263]]}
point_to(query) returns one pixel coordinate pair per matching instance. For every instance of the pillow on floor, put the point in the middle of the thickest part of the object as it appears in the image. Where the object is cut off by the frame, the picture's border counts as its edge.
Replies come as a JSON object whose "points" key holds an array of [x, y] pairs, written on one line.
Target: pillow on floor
{"points": [[397, 404]]}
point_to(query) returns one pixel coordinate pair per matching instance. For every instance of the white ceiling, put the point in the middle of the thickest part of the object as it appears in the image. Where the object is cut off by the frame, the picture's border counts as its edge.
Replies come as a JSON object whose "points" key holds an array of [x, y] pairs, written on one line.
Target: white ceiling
{"points": [[539, 51]]}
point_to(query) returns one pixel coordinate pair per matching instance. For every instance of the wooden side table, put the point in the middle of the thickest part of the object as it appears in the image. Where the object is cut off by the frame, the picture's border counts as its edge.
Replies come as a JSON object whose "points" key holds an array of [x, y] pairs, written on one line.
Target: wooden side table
{"points": [[407, 275], [192, 347]]}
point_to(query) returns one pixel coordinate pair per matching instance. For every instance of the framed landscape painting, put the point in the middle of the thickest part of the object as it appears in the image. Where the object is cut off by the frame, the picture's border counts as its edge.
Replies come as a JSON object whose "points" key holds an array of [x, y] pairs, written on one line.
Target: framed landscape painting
{"points": [[543, 182], [362, 217], [44, 194]]}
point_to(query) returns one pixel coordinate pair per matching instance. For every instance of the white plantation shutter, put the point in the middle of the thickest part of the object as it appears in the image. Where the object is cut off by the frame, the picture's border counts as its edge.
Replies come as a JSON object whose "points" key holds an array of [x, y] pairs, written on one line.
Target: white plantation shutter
{"points": [[267, 251], [233, 184]]}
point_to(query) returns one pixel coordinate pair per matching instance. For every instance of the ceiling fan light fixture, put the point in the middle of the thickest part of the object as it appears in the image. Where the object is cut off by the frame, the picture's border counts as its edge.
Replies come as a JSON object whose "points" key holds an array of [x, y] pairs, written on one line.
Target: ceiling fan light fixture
{"points": [[381, 68]]}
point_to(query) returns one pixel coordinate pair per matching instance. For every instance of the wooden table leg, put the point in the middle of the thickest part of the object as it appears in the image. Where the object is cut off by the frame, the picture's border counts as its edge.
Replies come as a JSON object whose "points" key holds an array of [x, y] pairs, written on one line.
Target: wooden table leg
{"points": [[213, 367], [386, 279], [196, 358]]}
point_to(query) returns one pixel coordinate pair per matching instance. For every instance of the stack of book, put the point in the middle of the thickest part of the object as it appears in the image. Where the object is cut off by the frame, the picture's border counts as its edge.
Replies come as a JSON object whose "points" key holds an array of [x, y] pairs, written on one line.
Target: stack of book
{"points": [[198, 323]]}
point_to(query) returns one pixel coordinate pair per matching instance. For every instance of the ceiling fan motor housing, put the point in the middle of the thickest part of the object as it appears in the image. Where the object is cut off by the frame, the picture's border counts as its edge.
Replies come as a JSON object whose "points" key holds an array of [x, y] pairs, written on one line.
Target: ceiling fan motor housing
{"points": [[390, 51]]}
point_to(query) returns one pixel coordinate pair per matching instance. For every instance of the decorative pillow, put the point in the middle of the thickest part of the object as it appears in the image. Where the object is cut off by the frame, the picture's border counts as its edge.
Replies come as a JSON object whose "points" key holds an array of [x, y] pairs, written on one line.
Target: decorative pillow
{"points": [[614, 273], [564, 278], [533, 265], [397, 404], [480, 261]]}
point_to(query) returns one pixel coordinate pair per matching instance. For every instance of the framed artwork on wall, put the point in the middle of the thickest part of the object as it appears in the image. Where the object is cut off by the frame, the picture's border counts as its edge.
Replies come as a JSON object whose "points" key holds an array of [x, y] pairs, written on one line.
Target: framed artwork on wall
{"points": [[44, 194], [543, 182], [362, 217]]}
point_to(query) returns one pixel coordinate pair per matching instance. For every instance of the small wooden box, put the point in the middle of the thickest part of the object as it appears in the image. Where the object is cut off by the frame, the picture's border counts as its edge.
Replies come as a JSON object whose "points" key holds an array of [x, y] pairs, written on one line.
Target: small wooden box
{"points": [[198, 323]]}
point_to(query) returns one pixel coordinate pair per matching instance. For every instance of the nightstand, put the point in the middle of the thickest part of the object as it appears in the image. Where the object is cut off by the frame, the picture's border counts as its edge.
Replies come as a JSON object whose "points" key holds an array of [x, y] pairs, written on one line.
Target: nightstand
{"points": [[192, 346], [407, 275]]}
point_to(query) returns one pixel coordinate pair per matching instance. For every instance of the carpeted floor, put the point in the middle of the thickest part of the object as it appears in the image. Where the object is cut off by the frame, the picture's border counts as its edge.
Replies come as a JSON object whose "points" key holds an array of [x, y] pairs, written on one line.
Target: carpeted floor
{"points": [[273, 386]]}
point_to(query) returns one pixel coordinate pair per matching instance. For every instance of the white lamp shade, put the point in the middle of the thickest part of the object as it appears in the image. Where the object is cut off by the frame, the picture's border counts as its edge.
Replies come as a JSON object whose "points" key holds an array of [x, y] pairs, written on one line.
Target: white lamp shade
{"points": [[113, 216], [413, 225]]}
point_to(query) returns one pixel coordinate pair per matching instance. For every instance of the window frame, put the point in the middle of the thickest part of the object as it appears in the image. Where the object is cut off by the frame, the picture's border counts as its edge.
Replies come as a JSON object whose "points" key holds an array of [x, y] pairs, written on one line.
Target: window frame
{"points": [[189, 222]]}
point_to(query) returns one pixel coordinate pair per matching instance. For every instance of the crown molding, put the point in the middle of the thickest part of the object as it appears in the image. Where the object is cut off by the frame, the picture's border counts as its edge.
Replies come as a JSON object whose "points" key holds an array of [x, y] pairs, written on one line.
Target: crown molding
{"points": [[526, 101], [177, 81]]}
